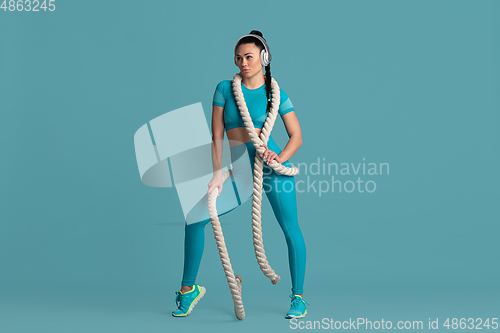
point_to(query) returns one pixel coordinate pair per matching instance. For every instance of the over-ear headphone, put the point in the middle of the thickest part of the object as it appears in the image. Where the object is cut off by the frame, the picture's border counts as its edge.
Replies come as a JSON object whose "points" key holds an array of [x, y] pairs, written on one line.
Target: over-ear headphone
{"points": [[265, 54]]}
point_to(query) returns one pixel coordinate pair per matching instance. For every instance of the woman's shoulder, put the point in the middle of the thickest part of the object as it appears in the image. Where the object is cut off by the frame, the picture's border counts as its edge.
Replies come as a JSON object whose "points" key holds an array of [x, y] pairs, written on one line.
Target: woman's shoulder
{"points": [[283, 95], [224, 83], [224, 87], [285, 103]]}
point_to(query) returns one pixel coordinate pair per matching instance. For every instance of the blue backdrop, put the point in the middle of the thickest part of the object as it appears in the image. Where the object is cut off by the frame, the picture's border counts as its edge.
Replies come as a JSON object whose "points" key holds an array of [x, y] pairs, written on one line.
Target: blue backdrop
{"points": [[85, 246]]}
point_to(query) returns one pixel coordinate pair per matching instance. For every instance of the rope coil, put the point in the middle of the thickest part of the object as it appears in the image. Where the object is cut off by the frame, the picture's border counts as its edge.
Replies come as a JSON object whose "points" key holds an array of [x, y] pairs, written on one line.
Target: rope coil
{"points": [[234, 281]]}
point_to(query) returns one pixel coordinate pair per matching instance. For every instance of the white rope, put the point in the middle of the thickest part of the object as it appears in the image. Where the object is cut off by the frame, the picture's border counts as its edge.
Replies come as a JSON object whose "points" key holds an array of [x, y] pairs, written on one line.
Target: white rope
{"points": [[235, 281]]}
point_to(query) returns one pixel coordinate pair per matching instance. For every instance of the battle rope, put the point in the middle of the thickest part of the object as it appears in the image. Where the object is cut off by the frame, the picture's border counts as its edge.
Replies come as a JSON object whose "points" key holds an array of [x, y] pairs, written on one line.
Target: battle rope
{"points": [[235, 281]]}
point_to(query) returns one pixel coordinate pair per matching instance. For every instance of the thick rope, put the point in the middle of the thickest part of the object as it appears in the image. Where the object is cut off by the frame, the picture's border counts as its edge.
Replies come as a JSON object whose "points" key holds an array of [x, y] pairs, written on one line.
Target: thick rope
{"points": [[258, 166], [235, 281]]}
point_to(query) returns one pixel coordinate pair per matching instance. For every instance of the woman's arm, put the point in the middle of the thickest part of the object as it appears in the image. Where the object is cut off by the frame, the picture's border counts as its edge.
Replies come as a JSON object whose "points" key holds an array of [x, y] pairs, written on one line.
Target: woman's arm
{"points": [[293, 129], [217, 137]]}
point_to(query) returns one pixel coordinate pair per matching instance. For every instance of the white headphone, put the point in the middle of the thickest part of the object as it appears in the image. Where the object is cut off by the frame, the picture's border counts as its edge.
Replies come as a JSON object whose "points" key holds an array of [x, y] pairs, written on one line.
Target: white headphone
{"points": [[265, 54]]}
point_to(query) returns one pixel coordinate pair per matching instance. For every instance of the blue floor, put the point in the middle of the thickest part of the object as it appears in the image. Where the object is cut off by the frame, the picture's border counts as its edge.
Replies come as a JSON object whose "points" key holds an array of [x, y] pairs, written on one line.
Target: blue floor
{"points": [[125, 311]]}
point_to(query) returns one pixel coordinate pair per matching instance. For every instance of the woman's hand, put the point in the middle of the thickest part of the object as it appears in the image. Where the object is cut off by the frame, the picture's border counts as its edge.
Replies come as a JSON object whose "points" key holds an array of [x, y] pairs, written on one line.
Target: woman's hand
{"points": [[270, 155], [215, 182]]}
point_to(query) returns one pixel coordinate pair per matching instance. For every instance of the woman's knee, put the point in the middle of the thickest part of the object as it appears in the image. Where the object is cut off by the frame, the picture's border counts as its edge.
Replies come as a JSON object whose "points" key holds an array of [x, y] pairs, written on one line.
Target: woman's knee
{"points": [[195, 229]]}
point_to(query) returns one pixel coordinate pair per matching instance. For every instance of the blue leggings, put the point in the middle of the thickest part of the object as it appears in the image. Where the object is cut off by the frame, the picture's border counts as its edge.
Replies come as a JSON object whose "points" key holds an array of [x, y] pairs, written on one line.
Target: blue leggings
{"points": [[280, 190]]}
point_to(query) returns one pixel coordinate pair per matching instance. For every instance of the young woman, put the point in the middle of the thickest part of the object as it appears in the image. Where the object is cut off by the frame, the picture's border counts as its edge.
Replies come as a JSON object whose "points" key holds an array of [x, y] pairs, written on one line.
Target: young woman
{"points": [[250, 57]]}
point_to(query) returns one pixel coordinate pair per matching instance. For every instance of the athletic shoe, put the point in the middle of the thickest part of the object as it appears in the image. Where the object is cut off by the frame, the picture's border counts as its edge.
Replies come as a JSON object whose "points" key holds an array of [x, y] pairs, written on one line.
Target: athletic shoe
{"points": [[297, 308], [186, 301]]}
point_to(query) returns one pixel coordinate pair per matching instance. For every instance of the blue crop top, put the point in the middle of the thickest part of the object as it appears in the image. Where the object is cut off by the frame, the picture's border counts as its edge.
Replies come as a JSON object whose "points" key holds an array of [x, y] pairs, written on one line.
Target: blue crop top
{"points": [[256, 100]]}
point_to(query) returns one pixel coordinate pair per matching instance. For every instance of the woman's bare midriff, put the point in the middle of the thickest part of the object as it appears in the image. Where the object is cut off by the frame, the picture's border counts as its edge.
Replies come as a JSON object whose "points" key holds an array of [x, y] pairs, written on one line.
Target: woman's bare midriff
{"points": [[239, 135]]}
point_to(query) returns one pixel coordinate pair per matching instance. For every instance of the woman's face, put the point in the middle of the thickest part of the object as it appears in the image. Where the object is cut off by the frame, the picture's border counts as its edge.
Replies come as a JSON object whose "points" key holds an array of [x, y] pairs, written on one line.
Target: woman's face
{"points": [[248, 59]]}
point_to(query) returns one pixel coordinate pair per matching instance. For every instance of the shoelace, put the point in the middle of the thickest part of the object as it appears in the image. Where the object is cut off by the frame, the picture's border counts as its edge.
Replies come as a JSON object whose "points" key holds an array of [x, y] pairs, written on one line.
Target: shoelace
{"points": [[296, 300], [178, 299]]}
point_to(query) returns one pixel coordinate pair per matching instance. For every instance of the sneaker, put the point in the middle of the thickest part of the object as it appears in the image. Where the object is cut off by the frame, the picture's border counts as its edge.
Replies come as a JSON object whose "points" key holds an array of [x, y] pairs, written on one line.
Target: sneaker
{"points": [[186, 301], [297, 308]]}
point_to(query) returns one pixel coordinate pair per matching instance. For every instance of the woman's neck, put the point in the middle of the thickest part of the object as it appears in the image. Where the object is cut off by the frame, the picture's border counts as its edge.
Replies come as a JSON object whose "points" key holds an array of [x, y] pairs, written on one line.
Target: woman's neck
{"points": [[254, 82]]}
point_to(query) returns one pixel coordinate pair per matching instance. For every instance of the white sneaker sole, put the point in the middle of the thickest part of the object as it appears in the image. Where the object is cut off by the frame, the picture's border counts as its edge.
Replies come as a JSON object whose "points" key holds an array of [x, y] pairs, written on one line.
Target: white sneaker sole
{"points": [[203, 290], [294, 316]]}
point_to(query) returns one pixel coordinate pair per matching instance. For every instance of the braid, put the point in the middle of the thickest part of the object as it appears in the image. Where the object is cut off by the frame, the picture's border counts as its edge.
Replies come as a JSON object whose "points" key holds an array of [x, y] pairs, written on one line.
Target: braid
{"points": [[268, 85]]}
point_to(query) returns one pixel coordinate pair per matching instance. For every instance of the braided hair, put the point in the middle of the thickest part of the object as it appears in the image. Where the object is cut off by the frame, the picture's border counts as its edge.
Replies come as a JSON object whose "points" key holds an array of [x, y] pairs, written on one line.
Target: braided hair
{"points": [[258, 43]]}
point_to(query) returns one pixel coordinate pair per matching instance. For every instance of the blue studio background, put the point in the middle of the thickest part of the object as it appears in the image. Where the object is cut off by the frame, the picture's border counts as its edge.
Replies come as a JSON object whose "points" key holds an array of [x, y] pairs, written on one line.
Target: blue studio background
{"points": [[85, 246]]}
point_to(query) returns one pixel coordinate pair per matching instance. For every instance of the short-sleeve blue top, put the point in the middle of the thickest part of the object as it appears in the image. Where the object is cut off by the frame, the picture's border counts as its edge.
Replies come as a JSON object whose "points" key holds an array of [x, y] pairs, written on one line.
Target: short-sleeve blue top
{"points": [[255, 99]]}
